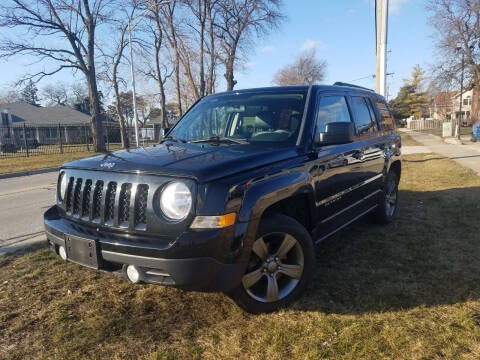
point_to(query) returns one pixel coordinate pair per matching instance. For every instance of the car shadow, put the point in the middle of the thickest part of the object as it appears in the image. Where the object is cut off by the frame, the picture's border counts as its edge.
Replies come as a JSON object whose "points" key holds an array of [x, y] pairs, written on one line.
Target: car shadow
{"points": [[430, 255]]}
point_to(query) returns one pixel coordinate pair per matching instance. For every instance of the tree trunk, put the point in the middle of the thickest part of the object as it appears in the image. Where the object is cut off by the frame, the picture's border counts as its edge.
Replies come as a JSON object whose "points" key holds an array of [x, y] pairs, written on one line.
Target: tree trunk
{"points": [[96, 116], [202, 15], [229, 74], [211, 80], [121, 119], [177, 84]]}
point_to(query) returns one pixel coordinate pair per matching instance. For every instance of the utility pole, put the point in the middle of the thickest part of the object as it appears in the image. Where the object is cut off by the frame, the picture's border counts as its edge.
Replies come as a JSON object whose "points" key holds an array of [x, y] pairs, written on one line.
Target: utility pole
{"points": [[381, 31], [132, 72]]}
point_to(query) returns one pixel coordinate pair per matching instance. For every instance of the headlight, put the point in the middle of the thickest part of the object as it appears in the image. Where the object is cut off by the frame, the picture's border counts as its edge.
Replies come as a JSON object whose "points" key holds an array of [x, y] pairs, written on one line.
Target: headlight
{"points": [[176, 201], [63, 186]]}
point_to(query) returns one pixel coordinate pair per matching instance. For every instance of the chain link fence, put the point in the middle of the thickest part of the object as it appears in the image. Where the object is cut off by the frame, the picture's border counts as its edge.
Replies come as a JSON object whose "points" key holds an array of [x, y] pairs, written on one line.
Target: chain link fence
{"points": [[21, 140]]}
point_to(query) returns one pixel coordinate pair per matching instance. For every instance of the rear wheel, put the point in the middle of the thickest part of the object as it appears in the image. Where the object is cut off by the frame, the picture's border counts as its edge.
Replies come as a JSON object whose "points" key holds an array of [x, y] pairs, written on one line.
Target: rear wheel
{"points": [[280, 266], [387, 207]]}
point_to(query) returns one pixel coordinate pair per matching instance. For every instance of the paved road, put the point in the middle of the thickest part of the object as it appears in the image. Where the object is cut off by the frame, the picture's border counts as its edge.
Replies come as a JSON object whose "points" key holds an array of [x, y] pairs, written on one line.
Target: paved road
{"points": [[467, 155], [22, 203]]}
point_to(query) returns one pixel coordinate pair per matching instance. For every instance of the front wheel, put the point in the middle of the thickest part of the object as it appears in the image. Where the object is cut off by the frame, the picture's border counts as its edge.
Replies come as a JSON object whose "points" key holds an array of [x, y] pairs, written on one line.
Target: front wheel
{"points": [[280, 267]]}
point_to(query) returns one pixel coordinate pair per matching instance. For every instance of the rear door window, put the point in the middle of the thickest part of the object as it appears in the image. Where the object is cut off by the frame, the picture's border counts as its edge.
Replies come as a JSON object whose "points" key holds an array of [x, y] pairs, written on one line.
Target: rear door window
{"points": [[364, 121], [386, 118]]}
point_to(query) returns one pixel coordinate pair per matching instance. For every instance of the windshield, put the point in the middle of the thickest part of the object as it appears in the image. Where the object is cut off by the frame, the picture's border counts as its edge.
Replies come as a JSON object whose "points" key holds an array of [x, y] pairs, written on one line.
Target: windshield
{"points": [[260, 117]]}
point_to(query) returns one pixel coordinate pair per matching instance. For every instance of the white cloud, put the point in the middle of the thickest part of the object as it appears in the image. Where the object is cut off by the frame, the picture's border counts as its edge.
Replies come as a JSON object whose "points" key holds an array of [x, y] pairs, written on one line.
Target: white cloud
{"points": [[250, 64], [395, 5], [267, 49], [311, 44]]}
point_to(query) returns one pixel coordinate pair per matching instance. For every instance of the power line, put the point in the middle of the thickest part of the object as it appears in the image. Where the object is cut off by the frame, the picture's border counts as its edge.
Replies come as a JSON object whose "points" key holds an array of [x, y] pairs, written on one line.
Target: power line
{"points": [[363, 78]]}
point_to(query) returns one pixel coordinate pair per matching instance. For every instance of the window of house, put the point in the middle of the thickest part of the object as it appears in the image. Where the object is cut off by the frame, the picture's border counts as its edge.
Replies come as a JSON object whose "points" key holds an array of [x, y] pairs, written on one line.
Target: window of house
{"points": [[51, 133], [364, 121], [5, 126], [332, 109]]}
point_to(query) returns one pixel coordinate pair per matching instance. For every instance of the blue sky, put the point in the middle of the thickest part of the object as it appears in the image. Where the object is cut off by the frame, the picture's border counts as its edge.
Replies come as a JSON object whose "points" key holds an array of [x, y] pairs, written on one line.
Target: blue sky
{"points": [[343, 33]]}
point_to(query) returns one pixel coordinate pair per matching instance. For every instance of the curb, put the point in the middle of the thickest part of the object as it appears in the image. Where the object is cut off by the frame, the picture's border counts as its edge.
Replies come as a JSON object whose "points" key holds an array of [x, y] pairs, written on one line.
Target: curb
{"points": [[28, 173]]}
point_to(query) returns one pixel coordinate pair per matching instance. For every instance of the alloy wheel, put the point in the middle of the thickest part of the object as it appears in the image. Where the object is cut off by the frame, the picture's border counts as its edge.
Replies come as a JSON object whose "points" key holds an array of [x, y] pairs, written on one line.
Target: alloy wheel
{"points": [[275, 269], [391, 197]]}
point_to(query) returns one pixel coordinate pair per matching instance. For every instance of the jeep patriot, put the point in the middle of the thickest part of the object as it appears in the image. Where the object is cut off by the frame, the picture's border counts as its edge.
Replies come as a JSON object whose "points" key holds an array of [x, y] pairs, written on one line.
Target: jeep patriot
{"points": [[236, 195]]}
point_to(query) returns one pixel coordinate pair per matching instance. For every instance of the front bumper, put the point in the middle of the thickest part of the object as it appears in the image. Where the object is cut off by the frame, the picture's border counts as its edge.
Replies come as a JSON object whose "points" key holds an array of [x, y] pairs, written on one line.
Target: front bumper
{"points": [[193, 261]]}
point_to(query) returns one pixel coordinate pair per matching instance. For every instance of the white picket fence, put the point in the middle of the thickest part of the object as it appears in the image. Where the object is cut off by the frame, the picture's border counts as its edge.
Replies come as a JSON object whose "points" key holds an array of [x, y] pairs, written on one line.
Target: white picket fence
{"points": [[424, 124]]}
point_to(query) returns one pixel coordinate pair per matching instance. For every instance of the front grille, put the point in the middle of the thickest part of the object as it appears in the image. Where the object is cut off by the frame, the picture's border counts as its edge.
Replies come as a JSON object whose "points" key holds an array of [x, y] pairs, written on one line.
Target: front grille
{"points": [[97, 200], [76, 196], [141, 206], [107, 203], [86, 199], [124, 207], [110, 202]]}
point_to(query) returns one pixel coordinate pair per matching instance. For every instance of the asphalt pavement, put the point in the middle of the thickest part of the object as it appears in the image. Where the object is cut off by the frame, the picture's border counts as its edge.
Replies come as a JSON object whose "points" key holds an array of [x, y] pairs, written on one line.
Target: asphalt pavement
{"points": [[23, 200]]}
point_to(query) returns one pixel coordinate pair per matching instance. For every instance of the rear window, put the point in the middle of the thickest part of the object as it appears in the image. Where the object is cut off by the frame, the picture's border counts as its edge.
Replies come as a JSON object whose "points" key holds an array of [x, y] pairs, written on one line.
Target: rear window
{"points": [[386, 118]]}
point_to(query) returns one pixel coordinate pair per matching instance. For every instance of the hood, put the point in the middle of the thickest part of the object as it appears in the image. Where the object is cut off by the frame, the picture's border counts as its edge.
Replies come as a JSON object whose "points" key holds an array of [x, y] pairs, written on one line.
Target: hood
{"points": [[203, 162]]}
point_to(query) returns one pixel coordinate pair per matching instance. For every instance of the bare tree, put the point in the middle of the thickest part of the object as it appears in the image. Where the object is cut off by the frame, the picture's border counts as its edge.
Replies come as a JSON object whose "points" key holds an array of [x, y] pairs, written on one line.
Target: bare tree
{"points": [[170, 30], [111, 73], [9, 97], [238, 20], [73, 21], [55, 94], [161, 71], [306, 69], [458, 23]]}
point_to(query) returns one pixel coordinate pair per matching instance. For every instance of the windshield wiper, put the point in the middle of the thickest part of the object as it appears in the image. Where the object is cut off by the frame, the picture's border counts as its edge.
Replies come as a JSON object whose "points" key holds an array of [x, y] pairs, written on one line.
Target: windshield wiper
{"points": [[171, 138], [219, 139]]}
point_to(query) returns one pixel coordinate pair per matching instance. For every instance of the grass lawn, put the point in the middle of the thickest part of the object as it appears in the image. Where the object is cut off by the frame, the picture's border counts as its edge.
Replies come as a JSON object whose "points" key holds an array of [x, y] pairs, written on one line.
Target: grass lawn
{"points": [[10, 165], [465, 130], [409, 290], [407, 140]]}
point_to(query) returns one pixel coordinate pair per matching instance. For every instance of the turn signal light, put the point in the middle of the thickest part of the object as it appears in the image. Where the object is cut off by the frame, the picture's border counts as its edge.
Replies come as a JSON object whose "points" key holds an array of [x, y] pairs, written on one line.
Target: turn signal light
{"points": [[213, 222]]}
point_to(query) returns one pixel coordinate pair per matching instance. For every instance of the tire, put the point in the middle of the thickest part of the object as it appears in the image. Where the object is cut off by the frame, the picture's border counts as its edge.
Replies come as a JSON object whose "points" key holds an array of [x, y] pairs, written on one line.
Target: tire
{"points": [[274, 263], [388, 203]]}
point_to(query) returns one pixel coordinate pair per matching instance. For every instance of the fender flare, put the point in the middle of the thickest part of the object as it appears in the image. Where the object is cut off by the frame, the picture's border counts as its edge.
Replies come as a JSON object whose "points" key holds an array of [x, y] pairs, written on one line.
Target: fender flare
{"points": [[263, 194]]}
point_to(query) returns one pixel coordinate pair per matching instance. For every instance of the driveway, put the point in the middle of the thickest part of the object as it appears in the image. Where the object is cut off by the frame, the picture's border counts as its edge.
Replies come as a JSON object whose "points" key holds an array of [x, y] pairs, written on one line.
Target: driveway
{"points": [[22, 203], [467, 155]]}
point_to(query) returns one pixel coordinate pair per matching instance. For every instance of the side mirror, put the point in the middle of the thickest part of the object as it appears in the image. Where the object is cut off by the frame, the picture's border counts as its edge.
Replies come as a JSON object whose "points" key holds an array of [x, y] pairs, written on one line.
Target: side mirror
{"points": [[336, 133]]}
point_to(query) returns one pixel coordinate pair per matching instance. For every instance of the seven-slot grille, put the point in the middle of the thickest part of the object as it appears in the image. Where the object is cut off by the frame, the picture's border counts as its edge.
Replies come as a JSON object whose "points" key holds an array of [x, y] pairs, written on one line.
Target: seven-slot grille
{"points": [[107, 202]]}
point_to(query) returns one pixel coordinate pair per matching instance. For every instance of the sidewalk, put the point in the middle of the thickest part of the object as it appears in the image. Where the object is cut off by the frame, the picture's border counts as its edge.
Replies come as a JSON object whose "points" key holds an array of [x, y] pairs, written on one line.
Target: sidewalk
{"points": [[466, 155]]}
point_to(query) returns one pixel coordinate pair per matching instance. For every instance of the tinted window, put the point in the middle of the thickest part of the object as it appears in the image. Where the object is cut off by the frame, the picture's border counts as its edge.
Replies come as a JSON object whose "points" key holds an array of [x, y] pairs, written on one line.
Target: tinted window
{"points": [[364, 121], [332, 109], [386, 119]]}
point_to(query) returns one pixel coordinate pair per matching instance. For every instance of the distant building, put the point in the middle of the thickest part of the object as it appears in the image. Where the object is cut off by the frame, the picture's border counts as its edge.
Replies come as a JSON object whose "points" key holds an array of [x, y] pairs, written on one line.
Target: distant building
{"points": [[42, 125], [466, 106], [442, 105], [446, 106]]}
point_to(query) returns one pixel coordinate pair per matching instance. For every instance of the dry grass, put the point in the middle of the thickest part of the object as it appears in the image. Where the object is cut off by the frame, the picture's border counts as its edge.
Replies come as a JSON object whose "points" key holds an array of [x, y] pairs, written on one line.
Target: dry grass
{"points": [[410, 290], [11, 165], [407, 140]]}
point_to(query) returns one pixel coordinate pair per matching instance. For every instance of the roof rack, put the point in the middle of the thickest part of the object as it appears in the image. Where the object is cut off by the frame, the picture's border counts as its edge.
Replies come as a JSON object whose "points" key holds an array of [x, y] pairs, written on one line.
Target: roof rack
{"points": [[339, 83]]}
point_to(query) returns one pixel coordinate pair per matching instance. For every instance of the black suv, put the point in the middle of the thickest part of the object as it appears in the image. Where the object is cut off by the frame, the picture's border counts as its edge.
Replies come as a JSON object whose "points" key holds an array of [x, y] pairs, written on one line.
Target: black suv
{"points": [[236, 195]]}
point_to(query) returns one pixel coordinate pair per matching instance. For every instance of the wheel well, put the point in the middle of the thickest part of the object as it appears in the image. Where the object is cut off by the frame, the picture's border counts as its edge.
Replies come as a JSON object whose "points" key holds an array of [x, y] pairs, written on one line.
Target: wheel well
{"points": [[396, 167], [297, 207]]}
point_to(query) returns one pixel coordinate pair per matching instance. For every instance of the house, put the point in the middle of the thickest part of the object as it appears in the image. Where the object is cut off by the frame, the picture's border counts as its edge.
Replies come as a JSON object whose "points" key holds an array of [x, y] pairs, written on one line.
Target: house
{"points": [[446, 106], [466, 114], [36, 125], [442, 105]]}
